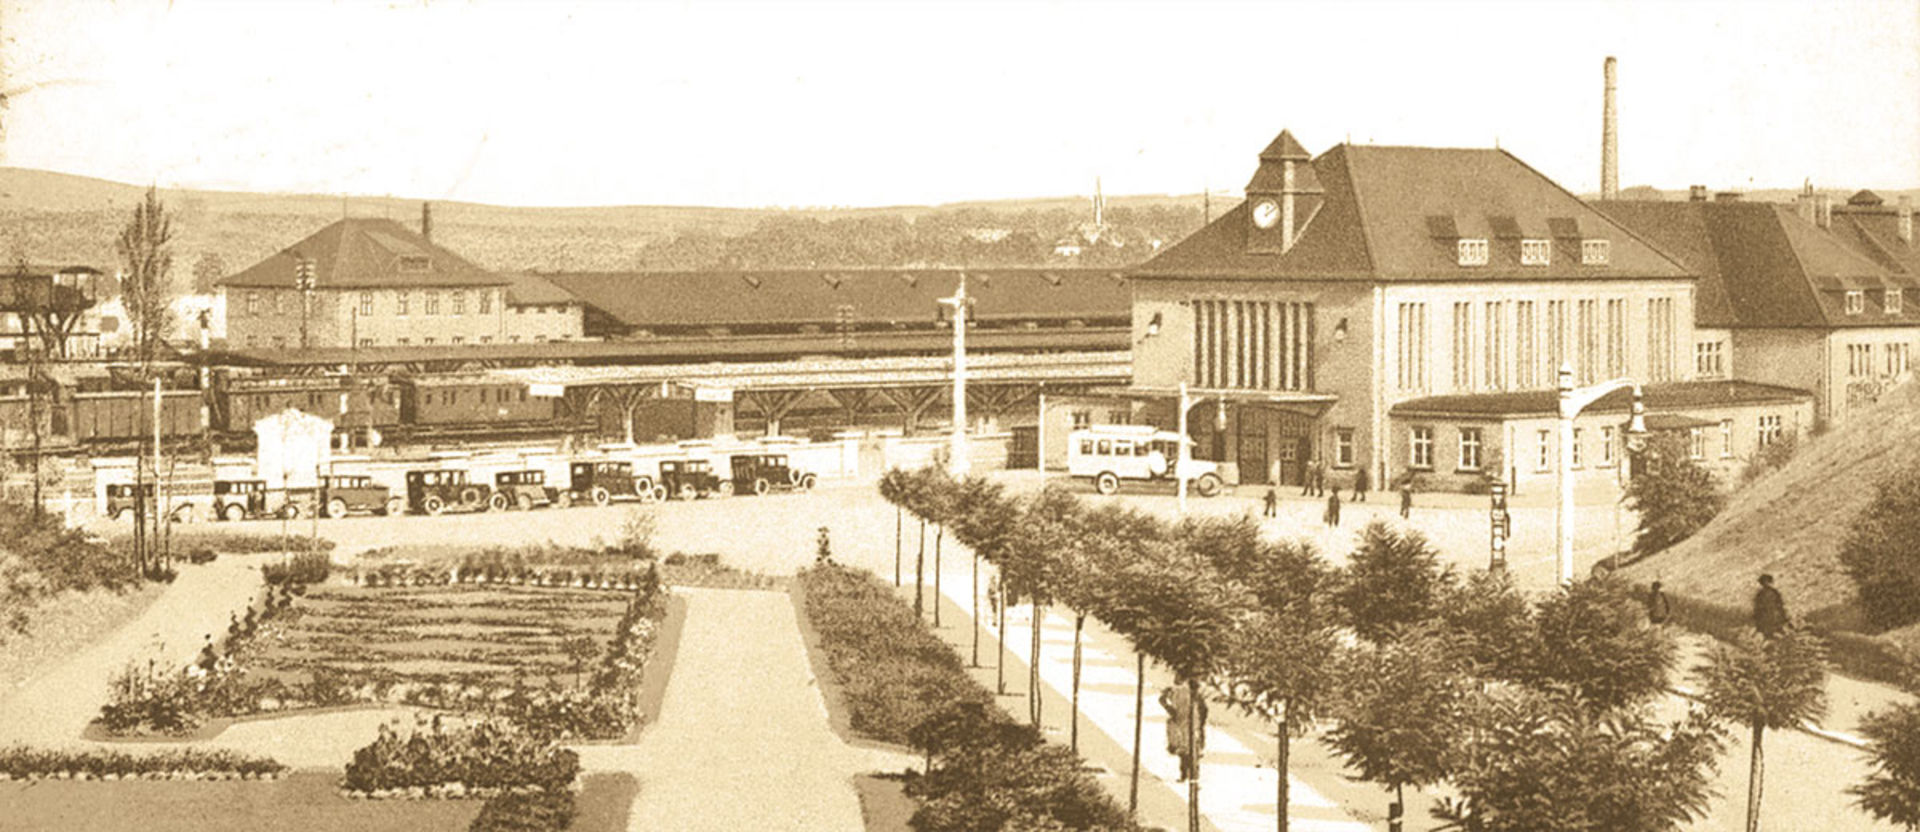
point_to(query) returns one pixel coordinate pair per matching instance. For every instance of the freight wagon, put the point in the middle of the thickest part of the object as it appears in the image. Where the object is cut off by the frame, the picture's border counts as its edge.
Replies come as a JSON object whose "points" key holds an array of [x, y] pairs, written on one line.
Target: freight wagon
{"points": [[126, 416]]}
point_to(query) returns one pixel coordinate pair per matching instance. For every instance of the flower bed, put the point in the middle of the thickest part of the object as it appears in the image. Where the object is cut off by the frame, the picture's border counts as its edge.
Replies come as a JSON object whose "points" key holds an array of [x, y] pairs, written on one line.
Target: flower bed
{"points": [[18, 763], [485, 760]]}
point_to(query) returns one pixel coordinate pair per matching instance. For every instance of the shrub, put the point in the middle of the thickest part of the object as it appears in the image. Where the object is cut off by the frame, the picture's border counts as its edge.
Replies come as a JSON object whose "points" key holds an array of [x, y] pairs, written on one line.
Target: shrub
{"points": [[489, 755], [1774, 456], [1674, 495], [1393, 580], [539, 812], [309, 567], [22, 763], [147, 700], [1878, 553], [988, 773], [1591, 640], [62, 558]]}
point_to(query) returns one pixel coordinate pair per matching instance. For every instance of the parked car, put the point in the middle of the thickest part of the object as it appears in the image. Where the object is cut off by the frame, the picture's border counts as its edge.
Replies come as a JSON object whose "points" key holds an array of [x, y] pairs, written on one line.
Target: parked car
{"points": [[1109, 454], [343, 493], [524, 489], [761, 473], [120, 499], [602, 481], [691, 478], [435, 491], [240, 499]]}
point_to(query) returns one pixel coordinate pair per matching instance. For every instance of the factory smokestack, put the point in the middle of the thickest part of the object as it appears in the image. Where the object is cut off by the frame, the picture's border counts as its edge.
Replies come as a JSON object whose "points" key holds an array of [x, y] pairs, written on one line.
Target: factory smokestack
{"points": [[426, 220], [1609, 140]]}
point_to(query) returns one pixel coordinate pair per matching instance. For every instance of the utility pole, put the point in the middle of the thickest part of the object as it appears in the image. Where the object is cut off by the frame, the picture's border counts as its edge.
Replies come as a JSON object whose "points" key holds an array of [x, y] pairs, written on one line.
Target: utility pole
{"points": [[303, 280], [958, 462], [33, 400]]}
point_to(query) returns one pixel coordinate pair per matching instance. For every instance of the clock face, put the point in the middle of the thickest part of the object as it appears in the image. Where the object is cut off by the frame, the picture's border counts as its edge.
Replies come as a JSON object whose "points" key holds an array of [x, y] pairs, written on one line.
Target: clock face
{"points": [[1265, 213]]}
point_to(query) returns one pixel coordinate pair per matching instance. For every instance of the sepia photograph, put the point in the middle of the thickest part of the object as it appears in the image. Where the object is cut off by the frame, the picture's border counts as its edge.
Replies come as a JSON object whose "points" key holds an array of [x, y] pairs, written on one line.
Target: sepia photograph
{"points": [[941, 416]]}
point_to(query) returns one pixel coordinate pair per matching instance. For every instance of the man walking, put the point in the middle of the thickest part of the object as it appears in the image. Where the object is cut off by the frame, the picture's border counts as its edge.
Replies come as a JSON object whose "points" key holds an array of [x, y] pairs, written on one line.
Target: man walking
{"points": [[1406, 497], [1658, 609], [1273, 503], [1186, 727], [1306, 477], [1360, 483], [1333, 508], [1769, 609]]}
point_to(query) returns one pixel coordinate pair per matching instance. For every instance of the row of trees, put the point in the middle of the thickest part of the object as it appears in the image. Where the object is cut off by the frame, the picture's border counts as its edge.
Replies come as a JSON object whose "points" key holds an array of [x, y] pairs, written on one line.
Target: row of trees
{"points": [[1537, 712]]}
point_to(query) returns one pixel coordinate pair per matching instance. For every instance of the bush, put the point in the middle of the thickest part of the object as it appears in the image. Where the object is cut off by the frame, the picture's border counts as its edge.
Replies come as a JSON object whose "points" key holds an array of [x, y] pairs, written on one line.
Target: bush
{"points": [[1773, 457], [1878, 553], [489, 755], [60, 557], [310, 567], [148, 700], [540, 812], [988, 773], [892, 672], [1674, 495], [1393, 580]]}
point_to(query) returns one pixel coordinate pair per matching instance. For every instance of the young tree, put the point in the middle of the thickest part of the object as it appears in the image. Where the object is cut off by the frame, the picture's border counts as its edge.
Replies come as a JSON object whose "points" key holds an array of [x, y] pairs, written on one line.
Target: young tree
{"points": [[893, 489], [1590, 639], [1493, 617], [1283, 658], [1878, 553], [1393, 581], [1673, 494], [1892, 791], [146, 255], [1765, 683], [1036, 566], [1397, 708], [980, 522], [1529, 761]]}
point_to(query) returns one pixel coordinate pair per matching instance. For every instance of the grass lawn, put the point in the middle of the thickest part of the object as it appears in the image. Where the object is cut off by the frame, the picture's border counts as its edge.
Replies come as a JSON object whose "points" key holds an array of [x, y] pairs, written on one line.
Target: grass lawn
{"points": [[59, 626], [884, 804], [305, 801], [471, 634]]}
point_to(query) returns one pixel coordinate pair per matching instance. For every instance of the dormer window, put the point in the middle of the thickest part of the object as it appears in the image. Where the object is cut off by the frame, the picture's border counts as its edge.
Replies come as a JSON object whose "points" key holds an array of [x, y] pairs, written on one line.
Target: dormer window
{"points": [[1595, 252], [1856, 301], [1472, 252], [1536, 252], [1894, 300], [415, 264]]}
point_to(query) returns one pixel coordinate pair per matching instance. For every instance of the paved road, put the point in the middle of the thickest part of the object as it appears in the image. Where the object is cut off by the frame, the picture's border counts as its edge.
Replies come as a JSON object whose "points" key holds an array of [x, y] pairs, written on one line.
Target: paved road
{"points": [[743, 740]]}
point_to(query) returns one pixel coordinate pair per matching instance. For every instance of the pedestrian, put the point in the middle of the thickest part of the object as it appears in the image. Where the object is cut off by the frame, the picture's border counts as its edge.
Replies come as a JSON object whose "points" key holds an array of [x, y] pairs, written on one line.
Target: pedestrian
{"points": [[1333, 508], [1273, 503], [993, 599], [1360, 483], [1769, 609], [1306, 478], [1319, 477], [1658, 609], [1406, 497], [1183, 743]]}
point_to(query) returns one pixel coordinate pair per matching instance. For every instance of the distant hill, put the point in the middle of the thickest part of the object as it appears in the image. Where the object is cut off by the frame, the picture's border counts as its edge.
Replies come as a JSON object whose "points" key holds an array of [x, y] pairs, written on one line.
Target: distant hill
{"points": [[57, 217], [1648, 192], [1792, 522]]}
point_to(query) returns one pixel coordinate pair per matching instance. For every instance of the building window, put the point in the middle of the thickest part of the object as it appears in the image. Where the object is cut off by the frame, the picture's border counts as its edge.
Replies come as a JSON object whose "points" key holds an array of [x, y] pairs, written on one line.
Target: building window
{"points": [[1856, 302], [1082, 419], [1463, 346], [414, 264], [280, 302], [1726, 438], [1496, 343], [1896, 359], [1617, 338], [1421, 445], [1343, 447], [1697, 443], [1595, 252], [1660, 339], [1556, 339], [1119, 417], [433, 304], [459, 303], [1241, 344], [1892, 301], [1536, 252], [366, 303], [1769, 430], [1589, 348], [1709, 359], [1859, 360], [1469, 449], [1413, 346], [405, 300], [404, 341], [279, 342], [486, 301], [1606, 445], [1545, 460], [1576, 448], [366, 342], [459, 339], [1473, 252], [1525, 362], [427, 341], [486, 339], [253, 303]]}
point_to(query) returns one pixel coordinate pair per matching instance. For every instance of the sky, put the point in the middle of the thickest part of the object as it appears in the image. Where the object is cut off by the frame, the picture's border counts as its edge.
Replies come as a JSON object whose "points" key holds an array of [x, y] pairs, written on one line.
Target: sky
{"points": [[882, 103]]}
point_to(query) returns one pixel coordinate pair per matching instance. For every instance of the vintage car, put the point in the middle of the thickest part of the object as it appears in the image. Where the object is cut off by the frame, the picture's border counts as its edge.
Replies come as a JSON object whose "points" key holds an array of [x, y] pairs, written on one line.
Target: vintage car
{"points": [[436, 490], [524, 489], [603, 481], [344, 493], [761, 473], [687, 479], [240, 499], [121, 499]]}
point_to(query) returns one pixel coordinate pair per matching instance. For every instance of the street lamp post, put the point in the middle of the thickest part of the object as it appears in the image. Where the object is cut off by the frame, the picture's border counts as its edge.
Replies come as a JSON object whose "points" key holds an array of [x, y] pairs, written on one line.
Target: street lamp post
{"points": [[957, 462], [1572, 401], [303, 280]]}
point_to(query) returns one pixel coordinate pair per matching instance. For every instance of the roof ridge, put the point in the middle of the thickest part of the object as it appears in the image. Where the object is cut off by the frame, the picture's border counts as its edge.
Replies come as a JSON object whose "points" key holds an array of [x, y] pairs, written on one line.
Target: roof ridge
{"points": [[1359, 209], [1805, 283], [1622, 227]]}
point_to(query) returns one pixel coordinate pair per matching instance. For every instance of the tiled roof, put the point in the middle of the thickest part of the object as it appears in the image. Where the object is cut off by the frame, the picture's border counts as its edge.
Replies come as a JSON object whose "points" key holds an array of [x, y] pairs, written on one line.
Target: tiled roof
{"points": [[868, 296], [535, 290], [366, 252], [1672, 396], [1383, 213], [1761, 264]]}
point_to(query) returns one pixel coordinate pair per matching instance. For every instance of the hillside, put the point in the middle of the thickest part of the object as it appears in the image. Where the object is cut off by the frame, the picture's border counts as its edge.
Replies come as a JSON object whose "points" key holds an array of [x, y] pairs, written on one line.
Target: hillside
{"points": [[57, 217], [1792, 522]]}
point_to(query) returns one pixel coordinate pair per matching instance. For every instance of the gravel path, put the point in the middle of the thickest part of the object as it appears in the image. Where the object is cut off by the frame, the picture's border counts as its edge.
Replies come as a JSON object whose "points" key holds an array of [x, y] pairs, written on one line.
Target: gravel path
{"points": [[743, 740]]}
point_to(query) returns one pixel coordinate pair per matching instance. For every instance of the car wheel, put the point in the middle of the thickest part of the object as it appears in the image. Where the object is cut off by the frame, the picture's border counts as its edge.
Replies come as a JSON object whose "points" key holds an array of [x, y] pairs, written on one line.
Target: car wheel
{"points": [[523, 502], [183, 514], [234, 513], [433, 505], [761, 486], [601, 496], [808, 481], [564, 499], [116, 513], [726, 488], [1208, 485], [471, 496], [657, 494], [336, 508], [688, 492], [497, 502], [393, 507], [291, 511], [1106, 483]]}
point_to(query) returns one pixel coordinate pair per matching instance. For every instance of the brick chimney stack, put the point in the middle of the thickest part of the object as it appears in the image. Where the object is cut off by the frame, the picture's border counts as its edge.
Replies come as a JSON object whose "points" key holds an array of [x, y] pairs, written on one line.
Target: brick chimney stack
{"points": [[1609, 139], [1823, 211], [426, 220], [1697, 193], [1906, 220]]}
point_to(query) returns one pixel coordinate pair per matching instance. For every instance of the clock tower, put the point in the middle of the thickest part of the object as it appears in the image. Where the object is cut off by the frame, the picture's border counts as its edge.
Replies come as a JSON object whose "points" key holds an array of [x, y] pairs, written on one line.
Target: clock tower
{"points": [[1277, 197]]}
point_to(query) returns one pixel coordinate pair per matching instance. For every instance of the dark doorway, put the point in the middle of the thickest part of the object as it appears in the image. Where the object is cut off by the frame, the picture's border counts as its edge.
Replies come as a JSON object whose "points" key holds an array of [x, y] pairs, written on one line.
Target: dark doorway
{"points": [[1252, 447]]}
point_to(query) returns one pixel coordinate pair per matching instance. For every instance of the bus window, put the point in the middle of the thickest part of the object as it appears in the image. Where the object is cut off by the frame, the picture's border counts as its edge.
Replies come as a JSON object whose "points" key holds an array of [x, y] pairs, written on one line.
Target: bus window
{"points": [[1086, 447], [1106, 447], [1122, 448]]}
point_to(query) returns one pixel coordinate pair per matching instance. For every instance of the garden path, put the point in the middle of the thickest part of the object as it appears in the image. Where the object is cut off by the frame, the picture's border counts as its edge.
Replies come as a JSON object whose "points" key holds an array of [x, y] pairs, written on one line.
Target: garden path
{"points": [[54, 709], [742, 740]]}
